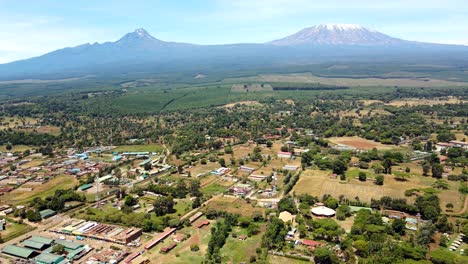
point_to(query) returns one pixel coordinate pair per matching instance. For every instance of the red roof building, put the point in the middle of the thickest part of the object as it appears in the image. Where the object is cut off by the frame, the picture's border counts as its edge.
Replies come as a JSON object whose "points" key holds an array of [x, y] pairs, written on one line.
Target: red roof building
{"points": [[202, 223], [168, 248]]}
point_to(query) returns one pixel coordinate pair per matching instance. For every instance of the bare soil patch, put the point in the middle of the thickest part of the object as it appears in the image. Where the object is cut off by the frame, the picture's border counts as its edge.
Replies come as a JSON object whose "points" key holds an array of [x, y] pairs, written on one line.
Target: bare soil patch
{"points": [[360, 143]]}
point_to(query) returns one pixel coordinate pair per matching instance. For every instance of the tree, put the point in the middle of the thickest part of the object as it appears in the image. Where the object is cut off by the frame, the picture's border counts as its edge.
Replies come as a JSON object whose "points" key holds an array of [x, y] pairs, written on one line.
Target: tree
{"points": [[9, 147], [449, 206], [342, 212], [222, 162], [130, 201], [228, 150], [269, 144], [58, 249], [194, 188], [273, 238], [440, 184], [430, 213], [147, 166], [426, 167], [194, 247], [323, 255], [362, 176], [379, 179], [163, 205], [445, 136], [387, 165], [307, 158], [399, 226], [253, 229], [362, 247], [339, 166], [331, 203], [440, 256], [196, 202], [425, 233], [33, 215], [287, 204], [437, 170]]}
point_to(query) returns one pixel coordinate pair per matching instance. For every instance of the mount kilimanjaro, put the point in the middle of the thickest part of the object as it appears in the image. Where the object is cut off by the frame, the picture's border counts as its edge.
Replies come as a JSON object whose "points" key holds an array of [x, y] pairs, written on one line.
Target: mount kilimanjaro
{"points": [[139, 52]]}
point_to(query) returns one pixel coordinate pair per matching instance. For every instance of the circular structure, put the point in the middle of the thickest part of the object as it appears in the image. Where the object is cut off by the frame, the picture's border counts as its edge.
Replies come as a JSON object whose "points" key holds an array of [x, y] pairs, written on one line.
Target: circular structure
{"points": [[323, 211]]}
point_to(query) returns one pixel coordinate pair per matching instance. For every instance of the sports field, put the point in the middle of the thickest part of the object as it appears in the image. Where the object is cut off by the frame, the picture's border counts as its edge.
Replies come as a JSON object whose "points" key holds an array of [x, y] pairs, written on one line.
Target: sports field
{"points": [[360, 143]]}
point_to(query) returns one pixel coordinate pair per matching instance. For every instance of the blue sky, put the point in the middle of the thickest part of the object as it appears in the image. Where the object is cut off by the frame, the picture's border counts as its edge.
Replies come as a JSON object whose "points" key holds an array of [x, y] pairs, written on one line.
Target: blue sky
{"points": [[33, 27]]}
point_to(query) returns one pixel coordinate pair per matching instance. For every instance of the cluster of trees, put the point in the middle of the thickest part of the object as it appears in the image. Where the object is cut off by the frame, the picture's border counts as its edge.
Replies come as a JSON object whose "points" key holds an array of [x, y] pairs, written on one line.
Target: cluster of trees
{"points": [[292, 180], [273, 238], [219, 234], [57, 201], [179, 190], [428, 205]]}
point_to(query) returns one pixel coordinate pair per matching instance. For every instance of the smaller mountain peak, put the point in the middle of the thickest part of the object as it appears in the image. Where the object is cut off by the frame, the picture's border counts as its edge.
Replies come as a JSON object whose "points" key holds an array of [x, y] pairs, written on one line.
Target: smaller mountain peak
{"points": [[142, 32]]}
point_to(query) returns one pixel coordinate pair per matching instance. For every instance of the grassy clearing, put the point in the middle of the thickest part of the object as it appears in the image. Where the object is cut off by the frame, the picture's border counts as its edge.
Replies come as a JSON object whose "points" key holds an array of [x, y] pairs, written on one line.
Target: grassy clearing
{"points": [[281, 260], [318, 183], [14, 229], [237, 251], [419, 101], [213, 189], [42, 191], [233, 205], [201, 169], [16, 148], [137, 148]]}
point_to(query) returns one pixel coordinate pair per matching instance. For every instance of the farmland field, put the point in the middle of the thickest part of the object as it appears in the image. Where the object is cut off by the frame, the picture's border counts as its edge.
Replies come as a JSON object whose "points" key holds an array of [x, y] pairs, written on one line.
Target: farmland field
{"points": [[318, 183], [42, 191], [232, 205], [351, 80]]}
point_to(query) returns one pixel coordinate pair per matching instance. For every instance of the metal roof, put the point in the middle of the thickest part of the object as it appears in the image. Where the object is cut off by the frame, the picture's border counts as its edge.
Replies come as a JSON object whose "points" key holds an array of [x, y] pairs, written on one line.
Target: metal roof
{"points": [[85, 186], [46, 213], [49, 258], [68, 244], [43, 240], [33, 244], [18, 251]]}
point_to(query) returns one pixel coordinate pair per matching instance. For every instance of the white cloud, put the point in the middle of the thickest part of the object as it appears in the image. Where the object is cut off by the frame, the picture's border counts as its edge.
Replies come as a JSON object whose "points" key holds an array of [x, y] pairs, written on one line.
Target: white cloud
{"points": [[24, 38]]}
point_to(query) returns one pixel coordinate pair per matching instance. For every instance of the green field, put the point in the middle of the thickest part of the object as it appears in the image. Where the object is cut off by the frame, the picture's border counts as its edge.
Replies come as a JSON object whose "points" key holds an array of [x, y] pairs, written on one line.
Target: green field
{"points": [[237, 251], [14, 230], [139, 148], [213, 189], [41, 191]]}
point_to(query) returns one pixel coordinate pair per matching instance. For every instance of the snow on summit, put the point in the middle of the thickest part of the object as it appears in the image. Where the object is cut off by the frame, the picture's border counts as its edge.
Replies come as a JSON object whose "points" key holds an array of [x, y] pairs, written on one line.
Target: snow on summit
{"points": [[337, 34]]}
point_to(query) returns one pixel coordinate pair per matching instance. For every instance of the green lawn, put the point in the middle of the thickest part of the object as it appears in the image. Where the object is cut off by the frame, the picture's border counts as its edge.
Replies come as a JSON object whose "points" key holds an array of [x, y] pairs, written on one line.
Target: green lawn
{"points": [[354, 173], [182, 207], [213, 189]]}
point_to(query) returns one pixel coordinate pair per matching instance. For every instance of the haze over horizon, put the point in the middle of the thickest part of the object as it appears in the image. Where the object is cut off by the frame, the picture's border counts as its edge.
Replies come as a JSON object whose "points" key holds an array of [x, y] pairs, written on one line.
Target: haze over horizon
{"points": [[30, 30]]}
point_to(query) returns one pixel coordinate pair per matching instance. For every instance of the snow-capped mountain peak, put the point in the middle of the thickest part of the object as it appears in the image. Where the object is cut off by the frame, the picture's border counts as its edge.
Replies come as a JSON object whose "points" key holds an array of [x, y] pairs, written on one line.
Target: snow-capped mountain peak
{"points": [[337, 34], [142, 32], [342, 26]]}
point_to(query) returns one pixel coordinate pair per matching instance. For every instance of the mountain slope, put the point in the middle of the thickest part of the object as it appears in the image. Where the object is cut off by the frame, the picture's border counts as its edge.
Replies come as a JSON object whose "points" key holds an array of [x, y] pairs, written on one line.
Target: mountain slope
{"points": [[338, 34], [139, 52]]}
